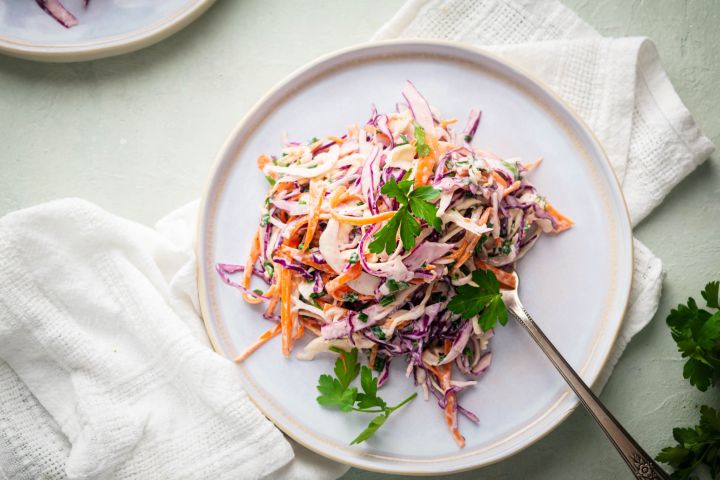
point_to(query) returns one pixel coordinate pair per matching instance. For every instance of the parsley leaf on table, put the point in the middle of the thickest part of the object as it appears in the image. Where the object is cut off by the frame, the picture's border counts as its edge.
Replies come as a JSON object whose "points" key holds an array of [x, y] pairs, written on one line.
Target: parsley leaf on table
{"points": [[416, 201], [336, 392], [697, 334], [699, 445], [485, 300]]}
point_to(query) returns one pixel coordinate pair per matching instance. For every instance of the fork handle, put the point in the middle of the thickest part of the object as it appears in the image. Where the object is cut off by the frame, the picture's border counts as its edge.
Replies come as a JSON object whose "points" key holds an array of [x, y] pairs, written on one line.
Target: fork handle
{"points": [[640, 463]]}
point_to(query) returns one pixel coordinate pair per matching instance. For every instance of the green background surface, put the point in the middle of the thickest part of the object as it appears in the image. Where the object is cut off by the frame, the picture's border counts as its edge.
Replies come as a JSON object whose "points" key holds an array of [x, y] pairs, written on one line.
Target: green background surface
{"points": [[137, 134]]}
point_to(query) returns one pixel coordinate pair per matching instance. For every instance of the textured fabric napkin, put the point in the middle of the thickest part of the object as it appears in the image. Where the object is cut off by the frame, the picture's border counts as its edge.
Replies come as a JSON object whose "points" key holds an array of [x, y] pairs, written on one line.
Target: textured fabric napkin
{"points": [[105, 370]]}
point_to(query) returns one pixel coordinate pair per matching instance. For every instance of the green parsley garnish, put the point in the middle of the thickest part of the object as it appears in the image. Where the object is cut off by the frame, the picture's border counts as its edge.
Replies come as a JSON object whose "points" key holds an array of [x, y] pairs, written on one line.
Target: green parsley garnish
{"points": [[353, 258], [697, 334], [379, 364], [387, 300], [695, 446], [404, 141], [302, 202], [258, 291], [313, 140], [422, 148], [394, 286], [378, 332], [363, 317], [270, 180], [484, 300], [416, 201], [350, 297], [265, 219], [336, 392], [269, 269], [468, 138]]}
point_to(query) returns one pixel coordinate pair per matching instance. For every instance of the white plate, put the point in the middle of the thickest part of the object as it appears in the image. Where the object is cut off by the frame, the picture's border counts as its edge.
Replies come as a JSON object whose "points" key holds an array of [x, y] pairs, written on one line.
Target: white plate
{"points": [[105, 28], [576, 285]]}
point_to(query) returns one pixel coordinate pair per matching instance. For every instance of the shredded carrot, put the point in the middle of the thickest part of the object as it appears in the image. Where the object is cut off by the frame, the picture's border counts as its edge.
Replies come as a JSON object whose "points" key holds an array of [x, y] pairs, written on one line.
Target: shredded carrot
{"points": [[285, 309], [445, 123], [346, 197], [337, 140], [515, 185], [259, 342], [301, 222], [458, 251], [563, 222], [532, 165], [425, 166], [350, 274], [499, 179], [314, 219], [335, 196], [450, 407], [380, 217], [470, 247], [503, 277], [249, 264], [263, 160]]}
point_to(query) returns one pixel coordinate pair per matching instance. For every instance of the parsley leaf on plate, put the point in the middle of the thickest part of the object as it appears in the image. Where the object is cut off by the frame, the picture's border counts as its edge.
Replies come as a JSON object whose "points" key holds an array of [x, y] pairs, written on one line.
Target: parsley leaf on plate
{"points": [[347, 367], [484, 300], [333, 394], [417, 201], [336, 392], [386, 238]]}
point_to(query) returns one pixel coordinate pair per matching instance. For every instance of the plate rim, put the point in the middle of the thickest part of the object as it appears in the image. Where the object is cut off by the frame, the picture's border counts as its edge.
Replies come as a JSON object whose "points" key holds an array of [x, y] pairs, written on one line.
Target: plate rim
{"points": [[227, 147], [106, 47]]}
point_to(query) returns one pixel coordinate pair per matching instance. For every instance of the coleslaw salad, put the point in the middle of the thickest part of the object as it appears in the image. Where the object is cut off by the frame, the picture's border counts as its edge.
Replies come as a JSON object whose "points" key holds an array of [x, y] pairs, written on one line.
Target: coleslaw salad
{"points": [[366, 238]]}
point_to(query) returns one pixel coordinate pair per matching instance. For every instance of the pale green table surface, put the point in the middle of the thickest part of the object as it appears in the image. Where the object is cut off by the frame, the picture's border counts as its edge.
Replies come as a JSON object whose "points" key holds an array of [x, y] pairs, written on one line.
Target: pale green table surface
{"points": [[137, 135]]}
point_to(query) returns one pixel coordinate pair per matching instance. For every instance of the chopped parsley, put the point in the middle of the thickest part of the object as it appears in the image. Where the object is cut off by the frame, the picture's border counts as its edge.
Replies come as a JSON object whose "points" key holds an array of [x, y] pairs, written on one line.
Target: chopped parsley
{"points": [[378, 332], [387, 300], [394, 286], [269, 269]]}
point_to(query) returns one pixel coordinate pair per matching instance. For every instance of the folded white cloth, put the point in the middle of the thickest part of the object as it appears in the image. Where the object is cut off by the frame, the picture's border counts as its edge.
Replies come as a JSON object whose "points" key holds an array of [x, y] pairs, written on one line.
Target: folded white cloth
{"points": [[105, 370]]}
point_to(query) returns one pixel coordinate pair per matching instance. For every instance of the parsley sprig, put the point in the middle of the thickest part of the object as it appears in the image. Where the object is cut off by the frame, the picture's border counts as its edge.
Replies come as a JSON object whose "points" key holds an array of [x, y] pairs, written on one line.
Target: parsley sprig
{"points": [[697, 445], [336, 392], [484, 299], [416, 202], [697, 334], [422, 148]]}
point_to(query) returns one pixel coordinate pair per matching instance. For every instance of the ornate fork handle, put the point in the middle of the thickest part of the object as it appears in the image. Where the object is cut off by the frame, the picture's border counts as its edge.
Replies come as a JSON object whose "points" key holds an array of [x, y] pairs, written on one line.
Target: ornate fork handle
{"points": [[641, 464]]}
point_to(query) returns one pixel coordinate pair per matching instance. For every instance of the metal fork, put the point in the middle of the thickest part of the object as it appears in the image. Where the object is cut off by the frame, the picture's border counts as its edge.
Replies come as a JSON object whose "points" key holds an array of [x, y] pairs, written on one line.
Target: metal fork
{"points": [[640, 463]]}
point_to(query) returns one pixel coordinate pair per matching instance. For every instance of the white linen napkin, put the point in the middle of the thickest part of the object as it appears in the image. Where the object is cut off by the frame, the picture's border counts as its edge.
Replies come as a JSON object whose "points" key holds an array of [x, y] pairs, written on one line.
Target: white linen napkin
{"points": [[105, 370]]}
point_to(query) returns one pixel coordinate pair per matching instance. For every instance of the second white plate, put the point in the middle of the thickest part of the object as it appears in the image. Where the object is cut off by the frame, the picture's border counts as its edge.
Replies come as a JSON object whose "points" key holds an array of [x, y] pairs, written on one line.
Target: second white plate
{"points": [[105, 28]]}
